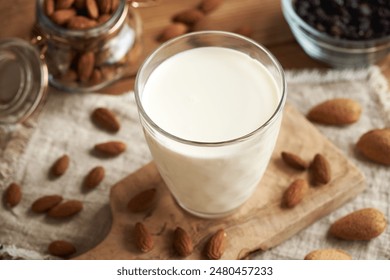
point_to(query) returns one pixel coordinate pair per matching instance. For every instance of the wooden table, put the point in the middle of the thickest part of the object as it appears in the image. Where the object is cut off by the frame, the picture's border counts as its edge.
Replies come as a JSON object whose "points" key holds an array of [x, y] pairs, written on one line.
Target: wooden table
{"points": [[264, 17]]}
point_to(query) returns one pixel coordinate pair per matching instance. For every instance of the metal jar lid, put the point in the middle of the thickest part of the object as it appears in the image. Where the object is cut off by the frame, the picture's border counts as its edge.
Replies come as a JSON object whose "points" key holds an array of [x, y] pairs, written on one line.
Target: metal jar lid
{"points": [[23, 80]]}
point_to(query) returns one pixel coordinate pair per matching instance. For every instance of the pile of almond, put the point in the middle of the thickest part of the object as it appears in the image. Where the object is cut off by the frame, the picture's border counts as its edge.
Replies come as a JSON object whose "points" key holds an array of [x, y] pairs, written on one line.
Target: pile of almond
{"points": [[184, 21], [88, 62], [320, 174], [364, 224], [80, 14], [54, 205], [182, 242], [373, 145]]}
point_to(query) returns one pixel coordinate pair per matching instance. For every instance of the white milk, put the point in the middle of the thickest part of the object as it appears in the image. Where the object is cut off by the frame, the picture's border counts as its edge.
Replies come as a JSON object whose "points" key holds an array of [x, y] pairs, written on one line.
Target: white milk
{"points": [[211, 94]]}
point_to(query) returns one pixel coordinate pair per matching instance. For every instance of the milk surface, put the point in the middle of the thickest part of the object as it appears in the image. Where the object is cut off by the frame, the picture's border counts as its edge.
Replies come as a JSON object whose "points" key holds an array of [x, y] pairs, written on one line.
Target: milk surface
{"points": [[211, 94]]}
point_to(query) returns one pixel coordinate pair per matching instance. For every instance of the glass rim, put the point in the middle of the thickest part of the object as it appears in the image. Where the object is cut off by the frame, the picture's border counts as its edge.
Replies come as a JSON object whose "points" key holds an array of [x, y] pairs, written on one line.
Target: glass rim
{"points": [[38, 94], [244, 137]]}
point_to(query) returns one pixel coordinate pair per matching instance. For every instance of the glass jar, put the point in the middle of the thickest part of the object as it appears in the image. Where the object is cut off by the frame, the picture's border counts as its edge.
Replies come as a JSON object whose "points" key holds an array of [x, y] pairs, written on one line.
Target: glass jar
{"points": [[71, 60], [89, 59]]}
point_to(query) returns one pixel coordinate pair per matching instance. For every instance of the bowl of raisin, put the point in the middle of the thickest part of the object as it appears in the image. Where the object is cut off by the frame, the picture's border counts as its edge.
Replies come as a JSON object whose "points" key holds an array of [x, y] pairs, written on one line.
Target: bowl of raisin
{"points": [[341, 33]]}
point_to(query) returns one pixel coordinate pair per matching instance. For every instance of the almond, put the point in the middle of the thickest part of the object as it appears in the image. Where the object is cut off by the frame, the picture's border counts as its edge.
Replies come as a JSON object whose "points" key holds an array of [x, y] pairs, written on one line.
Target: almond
{"points": [[182, 242], [375, 145], [85, 66], [142, 201], [80, 23], [103, 18], [112, 148], [94, 177], [294, 161], [104, 6], [106, 119], [215, 247], [364, 224], [143, 239], [96, 77], [66, 209], [60, 166], [114, 5], [295, 193], [49, 7], [61, 17], [338, 111], [61, 248], [63, 4], [92, 8], [45, 203], [328, 254], [173, 30], [207, 6], [13, 195], [320, 170], [244, 30], [189, 17]]}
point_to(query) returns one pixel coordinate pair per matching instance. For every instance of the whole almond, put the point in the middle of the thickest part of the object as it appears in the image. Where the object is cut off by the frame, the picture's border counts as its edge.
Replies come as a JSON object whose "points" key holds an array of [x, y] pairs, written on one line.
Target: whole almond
{"points": [[49, 7], [189, 17], [13, 195], [114, 5], [375, 145], [112, 148], [338, 111], [182, 242], [320, 171], [104, 6], [328, 254], [45, 203], [94, 177], [364, 224], [143, 239], [61, 248], [215, 247], [85, 66], [244, 30], [103, 18], [61, 17], [63, 4], [80, 23], [66, 209], [173, 30], [142, 201], [92, 8], [295, 192], [294, 161], [106, 119], [96, 76], [207, 6], [60, 166]]}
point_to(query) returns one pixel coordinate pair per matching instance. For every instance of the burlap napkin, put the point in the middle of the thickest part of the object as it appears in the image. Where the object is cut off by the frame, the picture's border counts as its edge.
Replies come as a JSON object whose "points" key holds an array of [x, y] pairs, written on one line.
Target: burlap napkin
{"points": [[64, 126]]}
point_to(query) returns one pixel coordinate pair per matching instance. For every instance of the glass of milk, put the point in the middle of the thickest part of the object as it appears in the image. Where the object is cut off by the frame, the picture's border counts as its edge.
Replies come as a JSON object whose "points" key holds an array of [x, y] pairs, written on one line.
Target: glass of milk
{"points": [[211, 104]]}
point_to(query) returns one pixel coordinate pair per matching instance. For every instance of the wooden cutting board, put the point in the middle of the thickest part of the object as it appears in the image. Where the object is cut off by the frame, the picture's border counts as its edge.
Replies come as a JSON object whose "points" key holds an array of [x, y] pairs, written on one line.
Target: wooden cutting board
{"points": [[258, 225]]}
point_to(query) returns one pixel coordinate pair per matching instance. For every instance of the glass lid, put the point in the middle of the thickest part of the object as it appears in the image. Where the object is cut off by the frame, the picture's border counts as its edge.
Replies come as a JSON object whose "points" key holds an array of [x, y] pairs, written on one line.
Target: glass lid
{"points": [[23, 80]]}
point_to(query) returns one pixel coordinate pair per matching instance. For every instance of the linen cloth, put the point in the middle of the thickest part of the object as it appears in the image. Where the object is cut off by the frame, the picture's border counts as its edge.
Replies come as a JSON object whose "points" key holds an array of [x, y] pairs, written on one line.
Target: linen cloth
{"points": [[64, 127]]}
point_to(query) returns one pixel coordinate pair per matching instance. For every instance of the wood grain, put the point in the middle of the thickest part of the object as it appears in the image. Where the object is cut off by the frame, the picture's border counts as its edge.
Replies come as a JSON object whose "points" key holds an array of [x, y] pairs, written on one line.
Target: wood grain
{"points": [[258, 225]]}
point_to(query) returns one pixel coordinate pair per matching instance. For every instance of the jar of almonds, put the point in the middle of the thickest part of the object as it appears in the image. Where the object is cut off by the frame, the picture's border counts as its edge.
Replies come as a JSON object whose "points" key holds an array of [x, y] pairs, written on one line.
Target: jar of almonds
{"points": [[78, 45], [88, 44]]}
